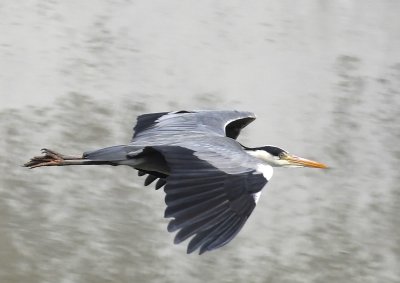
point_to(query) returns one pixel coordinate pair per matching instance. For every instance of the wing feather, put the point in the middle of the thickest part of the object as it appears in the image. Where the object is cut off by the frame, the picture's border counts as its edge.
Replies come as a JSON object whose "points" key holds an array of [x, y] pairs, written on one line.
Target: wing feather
{"points": [[160, 183], [196, 196], [146, 121], [165, 125], [206, 203], [149, 179], [202, 225], [194, 207], [202, 239], [226, 236], [210, 216]]}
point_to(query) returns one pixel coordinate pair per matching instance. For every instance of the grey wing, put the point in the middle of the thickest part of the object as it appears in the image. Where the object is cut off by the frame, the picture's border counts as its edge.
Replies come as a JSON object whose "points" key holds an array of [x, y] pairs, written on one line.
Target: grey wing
{"points": [[164, 124], [207, 204]]}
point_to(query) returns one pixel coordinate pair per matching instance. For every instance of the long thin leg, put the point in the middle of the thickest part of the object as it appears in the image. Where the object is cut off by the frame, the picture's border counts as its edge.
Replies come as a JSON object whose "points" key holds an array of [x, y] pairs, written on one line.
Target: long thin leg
{"points": [[52, 158]]}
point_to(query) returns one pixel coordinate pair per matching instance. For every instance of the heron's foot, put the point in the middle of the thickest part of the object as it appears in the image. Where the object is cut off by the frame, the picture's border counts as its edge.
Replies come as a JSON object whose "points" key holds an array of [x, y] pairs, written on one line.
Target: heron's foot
{"points": [[50, 158]]}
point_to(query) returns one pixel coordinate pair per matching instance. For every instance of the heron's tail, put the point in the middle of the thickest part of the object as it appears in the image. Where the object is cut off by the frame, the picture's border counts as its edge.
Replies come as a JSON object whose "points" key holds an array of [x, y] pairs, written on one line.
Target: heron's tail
{"points": [[114, 155]]}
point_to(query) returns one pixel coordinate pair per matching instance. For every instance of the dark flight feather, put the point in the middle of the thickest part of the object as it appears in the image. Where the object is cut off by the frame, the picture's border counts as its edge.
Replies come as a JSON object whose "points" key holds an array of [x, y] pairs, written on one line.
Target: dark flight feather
{"points": [[205, 202]]}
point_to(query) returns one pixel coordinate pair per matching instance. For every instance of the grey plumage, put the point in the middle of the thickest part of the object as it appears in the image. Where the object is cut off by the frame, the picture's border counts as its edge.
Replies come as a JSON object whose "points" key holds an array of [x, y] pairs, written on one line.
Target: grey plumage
{"points": [[209, 179], [211, 182]]}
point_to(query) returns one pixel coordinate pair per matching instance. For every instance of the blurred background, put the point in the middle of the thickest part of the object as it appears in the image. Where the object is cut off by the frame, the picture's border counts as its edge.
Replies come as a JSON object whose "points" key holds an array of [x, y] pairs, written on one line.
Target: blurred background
{"points": [[323, 78]]}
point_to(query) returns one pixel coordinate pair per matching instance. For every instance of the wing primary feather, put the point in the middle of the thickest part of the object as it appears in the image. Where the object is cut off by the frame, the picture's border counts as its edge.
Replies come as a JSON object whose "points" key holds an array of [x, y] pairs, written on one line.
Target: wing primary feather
{"points": [[186, 209], [222, 235], [145, 122], [160, 183], [149, 179], [190, 185], [228, 235], [202, 237], [187, 220], [200, 226], [243, 205], [194, 195]]}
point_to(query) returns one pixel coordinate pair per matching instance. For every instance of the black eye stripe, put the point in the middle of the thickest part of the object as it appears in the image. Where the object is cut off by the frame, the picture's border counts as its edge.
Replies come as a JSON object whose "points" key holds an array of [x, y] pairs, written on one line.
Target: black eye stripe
{"points": [[275, 151]]}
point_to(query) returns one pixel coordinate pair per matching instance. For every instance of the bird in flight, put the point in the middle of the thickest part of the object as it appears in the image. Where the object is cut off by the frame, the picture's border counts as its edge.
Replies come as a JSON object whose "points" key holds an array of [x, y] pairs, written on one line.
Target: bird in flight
{"points": [[212, 182]]}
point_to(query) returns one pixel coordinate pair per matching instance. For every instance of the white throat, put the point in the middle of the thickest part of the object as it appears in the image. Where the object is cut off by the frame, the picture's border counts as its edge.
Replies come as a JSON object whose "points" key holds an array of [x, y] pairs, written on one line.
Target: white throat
{"points": [[265, 157], [265, 164]]}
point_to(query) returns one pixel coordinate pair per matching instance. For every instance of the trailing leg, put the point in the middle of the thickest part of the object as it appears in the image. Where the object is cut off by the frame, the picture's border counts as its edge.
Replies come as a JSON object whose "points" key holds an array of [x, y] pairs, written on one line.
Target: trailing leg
{"points": [[52, 158]]}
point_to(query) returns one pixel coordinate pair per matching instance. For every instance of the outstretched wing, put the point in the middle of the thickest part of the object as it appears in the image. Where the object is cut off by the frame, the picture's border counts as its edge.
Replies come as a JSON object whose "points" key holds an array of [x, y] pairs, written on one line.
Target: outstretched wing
{"points": [[207, 204], [165, 124]]}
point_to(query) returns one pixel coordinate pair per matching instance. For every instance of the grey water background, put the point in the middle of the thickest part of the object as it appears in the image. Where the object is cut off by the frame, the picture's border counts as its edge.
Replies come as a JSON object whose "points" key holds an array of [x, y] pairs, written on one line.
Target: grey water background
{"points": [[322, 76]]}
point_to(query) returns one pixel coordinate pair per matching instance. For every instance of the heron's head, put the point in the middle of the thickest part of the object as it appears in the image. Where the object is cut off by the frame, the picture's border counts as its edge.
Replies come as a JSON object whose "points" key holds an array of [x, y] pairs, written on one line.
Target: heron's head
{"points": [[278, 157]]}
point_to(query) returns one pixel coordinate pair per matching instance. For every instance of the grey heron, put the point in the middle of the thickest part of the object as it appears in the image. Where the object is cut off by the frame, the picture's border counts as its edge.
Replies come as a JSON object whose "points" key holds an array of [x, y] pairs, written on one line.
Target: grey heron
{"points": [[212, 182]]}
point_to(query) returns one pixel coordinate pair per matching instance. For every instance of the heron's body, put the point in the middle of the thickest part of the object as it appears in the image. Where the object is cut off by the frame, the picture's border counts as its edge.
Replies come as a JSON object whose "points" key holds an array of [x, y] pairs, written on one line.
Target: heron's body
{"points": [[212, 182]]}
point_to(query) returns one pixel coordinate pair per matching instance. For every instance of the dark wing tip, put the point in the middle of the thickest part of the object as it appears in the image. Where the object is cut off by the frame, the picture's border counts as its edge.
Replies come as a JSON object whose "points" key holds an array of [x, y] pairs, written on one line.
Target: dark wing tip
{"points": [[232, 130], [160, 183], [146, 121], [149, 179], [208, 205]]}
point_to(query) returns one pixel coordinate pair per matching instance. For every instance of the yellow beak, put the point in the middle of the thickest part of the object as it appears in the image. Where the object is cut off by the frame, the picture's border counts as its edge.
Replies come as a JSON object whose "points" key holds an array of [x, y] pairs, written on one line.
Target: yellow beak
{"points": [[295, 160]]}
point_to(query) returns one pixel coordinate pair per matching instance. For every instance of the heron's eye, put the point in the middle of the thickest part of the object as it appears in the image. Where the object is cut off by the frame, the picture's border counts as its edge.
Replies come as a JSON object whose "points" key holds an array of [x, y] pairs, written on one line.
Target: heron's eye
{"points": [[282, 155]]}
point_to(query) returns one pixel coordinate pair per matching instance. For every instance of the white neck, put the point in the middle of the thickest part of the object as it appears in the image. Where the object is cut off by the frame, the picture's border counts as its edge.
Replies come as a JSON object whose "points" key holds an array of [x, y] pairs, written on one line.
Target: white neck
{"points": [[265, 166], [266, 157]]}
